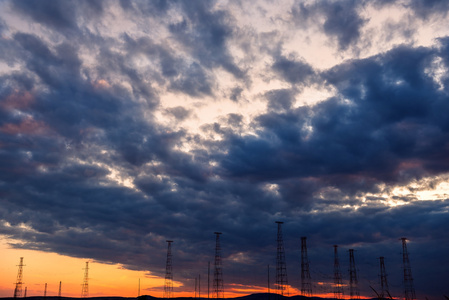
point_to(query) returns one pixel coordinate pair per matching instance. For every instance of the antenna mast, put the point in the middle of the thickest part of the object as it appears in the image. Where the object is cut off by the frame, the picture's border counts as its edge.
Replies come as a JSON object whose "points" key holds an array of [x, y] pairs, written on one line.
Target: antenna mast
{"points": [[168, 287], [409, 290], [19, 282], [85, 288], [306, 285], [281, 265], [338, 282], [383, 279], [353, 281], [218, 273]]}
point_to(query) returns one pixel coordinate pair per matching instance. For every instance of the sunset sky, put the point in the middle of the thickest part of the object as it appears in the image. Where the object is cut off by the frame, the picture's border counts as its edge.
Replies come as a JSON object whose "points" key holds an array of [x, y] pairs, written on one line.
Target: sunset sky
{"points": [[124, 124]]}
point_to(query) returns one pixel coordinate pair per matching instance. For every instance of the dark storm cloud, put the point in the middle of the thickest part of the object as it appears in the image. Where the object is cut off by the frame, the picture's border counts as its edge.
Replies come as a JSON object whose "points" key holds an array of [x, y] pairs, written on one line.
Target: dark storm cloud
{"points": [[236, 94], [194, 81], [3, 26], [179, 112], [56, 14], [48, 180], [57, 69], [85, 219], [234, 120], [424, 9], [204, 32], [153, 8], [376, 231], [294, 71], [280, 99], [181, 76], [342, 20], [45, 182], [420, 10], [384, 126], [87, 168], [59, 15]]}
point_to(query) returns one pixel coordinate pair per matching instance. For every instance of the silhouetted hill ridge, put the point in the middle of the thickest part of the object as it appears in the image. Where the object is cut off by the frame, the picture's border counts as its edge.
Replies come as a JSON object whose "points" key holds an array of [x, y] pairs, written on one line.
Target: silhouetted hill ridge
{"points": [[259, 296]]}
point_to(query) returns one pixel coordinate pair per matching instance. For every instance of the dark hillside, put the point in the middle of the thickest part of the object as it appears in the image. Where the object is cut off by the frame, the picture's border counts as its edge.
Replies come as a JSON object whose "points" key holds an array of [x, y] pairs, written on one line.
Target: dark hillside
{"points": [[260, 296]]}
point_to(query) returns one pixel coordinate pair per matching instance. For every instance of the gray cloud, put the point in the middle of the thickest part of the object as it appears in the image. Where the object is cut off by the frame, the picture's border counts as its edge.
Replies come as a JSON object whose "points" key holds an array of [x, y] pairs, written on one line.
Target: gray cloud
{"points": [[342, 21], [86, 164], [204, 33], [179, 112], [60, 16], [294, 71]]}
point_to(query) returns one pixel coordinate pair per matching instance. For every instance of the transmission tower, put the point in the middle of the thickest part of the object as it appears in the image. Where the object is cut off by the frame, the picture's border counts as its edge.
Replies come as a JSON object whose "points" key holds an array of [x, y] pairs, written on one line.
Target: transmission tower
{"points": [[409, 290], [19, 282], [353, 281], [306, 284], [25, 295], [338, 281], [218, 273], [60, 285], [85, 287], [168, 287], [281, 265], [45, 291], [383, 279]]}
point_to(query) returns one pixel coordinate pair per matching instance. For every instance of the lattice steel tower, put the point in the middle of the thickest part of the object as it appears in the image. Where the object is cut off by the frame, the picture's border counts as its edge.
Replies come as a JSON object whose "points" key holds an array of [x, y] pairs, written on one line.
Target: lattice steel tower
{"points": [[409, 290], [384, 291], [281, 265], [218, 272], [353, 281], [85, 287], [168, 287], [306, 281], [338, 281], [19, 282]]}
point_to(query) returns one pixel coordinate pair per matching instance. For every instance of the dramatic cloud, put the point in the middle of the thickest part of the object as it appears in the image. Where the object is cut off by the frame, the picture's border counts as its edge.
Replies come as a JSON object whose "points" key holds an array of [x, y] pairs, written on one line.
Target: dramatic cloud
{"points": [[341, 19], [124, 124]]}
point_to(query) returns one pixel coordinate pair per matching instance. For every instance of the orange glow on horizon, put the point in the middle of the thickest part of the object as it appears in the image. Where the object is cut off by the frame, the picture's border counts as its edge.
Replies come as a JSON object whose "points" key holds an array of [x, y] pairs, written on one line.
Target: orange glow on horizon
{"points": [[51, 268], [104, 279]]}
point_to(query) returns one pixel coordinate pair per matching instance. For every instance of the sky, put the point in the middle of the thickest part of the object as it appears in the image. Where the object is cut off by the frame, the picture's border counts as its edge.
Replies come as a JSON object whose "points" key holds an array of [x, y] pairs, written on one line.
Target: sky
{"points": [[124, 124]]}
